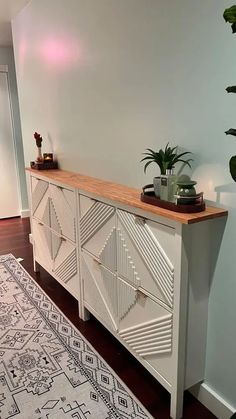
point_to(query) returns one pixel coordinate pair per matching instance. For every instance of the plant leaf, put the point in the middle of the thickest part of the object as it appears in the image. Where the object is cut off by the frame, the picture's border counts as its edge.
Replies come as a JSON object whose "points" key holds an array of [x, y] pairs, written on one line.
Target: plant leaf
{"points": [[146, 165], [233, 27], [231, 131], [186, 162], [232, 167], [231, 89], [230, 14], [145, 158]]}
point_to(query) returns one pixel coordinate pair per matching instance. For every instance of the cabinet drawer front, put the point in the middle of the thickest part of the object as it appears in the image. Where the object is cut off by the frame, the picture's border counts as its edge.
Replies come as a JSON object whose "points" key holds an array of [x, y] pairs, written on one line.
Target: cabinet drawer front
{"points": [[98, 230], [145, 255], [40, 200], [100, 291], [65, 266], [62, 211], [42, 244], [146, 327]]}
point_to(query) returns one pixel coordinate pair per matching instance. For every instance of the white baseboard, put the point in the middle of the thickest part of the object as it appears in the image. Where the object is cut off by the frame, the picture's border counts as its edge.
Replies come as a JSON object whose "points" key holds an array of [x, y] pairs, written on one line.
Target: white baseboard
{"points": [[213, 401], [25, 213], [31, 238]]}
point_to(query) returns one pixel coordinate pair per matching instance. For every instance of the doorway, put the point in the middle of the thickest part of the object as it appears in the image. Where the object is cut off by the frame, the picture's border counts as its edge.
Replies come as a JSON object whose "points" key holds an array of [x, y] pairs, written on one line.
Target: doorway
{"points": [[9, 189]]}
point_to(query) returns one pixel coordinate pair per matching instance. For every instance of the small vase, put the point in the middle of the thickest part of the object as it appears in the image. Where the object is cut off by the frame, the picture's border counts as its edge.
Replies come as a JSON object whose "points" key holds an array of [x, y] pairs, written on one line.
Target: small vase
{"points": [[157, 186], [39, 157]]}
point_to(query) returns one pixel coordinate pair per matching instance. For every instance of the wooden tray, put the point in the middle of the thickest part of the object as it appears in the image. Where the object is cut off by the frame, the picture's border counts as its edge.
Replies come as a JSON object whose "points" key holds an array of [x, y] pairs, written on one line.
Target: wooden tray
{"points": [[150, 198], [44, 165]]}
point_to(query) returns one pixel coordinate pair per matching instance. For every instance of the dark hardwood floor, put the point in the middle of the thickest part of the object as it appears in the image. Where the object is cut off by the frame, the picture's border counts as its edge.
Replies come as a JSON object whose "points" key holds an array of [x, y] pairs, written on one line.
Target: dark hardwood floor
{"points": [[14, 239]]}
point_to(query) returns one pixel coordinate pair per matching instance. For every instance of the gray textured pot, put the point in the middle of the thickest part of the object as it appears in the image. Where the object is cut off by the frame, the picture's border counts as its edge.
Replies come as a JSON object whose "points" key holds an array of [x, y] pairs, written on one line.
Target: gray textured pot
{"points": [[157, 185]]}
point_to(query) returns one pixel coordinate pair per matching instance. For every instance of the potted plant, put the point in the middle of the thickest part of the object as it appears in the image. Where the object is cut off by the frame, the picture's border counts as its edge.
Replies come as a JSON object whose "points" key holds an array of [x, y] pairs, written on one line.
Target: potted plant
{"points": [[230, 17], [166, 160]]}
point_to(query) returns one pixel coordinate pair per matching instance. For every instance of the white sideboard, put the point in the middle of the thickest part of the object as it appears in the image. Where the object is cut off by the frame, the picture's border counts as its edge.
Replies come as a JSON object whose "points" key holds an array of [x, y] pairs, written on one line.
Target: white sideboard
{"points": [[143, 272]]}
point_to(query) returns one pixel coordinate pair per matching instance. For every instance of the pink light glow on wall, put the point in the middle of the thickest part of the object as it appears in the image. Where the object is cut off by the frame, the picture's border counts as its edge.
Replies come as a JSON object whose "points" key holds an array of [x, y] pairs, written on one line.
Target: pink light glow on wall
{"points": [[62, 52], [22, 54]]}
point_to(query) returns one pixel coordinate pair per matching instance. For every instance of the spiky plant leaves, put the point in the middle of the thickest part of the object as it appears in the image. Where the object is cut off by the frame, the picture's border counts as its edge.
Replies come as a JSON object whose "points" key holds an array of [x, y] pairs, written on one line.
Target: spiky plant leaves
{"points": [[165, 159], [232, 167]]}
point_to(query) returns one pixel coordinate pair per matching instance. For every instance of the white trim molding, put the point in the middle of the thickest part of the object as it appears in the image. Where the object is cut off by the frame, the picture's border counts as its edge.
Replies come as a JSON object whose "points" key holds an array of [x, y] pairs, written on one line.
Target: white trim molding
{"points": [[213, 401], [25, 213]]}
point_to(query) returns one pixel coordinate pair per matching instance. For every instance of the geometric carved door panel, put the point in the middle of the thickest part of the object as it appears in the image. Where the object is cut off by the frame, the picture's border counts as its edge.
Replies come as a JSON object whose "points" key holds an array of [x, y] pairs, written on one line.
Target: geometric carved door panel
{"points": [[55, 207], [98, 231], [42, 244], [40, 200], [62, 211], [146, 327], [145, 255], [100, 290], [65, 263]]}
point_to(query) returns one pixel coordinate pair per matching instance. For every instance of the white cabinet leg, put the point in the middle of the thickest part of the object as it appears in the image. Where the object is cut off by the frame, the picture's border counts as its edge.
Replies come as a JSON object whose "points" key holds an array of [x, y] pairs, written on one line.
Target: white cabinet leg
{"points": [[83, 313], [36, 267], [176, 406]]}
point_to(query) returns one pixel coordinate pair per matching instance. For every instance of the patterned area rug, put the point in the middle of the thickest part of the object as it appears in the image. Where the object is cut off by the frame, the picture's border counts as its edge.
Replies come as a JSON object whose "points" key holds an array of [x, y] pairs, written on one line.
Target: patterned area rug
{"points": [[48, 369]]}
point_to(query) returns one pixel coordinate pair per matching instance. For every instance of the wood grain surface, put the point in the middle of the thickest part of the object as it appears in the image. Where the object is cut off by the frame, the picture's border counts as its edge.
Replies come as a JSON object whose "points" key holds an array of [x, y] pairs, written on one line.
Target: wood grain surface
{"points": [[124, 195]]}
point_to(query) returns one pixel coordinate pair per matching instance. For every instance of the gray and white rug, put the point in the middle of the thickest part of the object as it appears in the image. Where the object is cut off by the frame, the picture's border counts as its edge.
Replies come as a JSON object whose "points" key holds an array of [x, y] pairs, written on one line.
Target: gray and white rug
{"points": [[48, 369]]}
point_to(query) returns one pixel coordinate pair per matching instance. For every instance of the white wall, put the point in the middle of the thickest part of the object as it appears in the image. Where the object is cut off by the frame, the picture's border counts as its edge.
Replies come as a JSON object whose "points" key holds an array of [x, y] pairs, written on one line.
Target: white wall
{"points": [[7, 58], [102, 80]]}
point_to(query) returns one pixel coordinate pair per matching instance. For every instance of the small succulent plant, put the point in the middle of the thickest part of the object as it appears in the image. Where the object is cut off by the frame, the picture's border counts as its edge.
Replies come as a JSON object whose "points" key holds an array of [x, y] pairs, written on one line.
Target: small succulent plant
{"points": [[165, 159]]}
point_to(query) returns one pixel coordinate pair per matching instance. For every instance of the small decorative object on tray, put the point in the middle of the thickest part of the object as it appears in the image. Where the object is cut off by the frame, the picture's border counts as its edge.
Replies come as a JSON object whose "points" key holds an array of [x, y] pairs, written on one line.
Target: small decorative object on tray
{"points": [[47, 157], [166, 159], [185, 204], [44, 162]]}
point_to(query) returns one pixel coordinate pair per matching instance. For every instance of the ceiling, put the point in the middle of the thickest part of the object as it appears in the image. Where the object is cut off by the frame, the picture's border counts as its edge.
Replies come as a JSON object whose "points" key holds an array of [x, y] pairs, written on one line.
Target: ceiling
{"points": [[8, 10]]}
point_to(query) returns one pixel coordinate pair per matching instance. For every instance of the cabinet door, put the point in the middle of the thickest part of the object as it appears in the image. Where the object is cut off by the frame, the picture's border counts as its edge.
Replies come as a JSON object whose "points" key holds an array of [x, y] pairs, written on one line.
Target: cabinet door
{"points": [[145, 255], [42, 244], [65, 267], [62, 211], [146, 327], [40, 200], [98, 230], [100, 292]]}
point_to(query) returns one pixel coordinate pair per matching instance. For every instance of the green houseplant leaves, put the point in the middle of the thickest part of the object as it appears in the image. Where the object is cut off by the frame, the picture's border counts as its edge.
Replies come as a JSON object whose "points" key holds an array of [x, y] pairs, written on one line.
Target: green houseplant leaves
{"points": [[165, 159], [232, 167], [230, 17]]}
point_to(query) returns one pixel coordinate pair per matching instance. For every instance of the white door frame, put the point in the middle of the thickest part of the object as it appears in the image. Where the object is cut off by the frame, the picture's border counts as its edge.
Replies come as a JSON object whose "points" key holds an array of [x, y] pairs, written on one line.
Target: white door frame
{"points": [[4, 69]]}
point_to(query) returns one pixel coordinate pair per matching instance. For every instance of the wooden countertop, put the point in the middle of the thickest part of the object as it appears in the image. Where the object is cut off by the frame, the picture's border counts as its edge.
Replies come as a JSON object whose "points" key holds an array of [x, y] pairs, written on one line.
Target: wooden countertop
{"points": [[124, 195]]}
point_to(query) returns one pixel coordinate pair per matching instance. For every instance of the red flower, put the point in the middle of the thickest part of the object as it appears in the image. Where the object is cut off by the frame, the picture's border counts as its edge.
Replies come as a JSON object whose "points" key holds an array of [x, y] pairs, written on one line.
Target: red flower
{"points": [[38, 139]]}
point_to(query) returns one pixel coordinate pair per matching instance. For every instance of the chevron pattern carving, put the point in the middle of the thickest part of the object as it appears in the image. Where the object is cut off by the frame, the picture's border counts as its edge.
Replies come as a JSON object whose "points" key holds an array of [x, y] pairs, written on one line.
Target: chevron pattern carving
{"points": [[110, 281], [127, 297], [94, 219], [125, 265], [38, 193], [63, 212], [55, 224], [108, 253], [56, 244], [95, 297], [68, 268], [46, 214], [150, 338], [152, 254], [48, 239]]}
